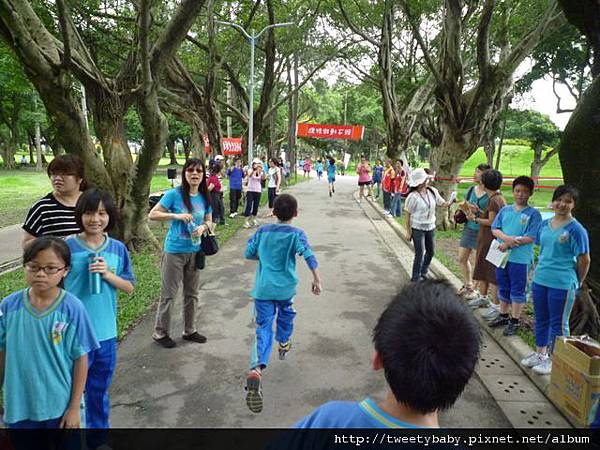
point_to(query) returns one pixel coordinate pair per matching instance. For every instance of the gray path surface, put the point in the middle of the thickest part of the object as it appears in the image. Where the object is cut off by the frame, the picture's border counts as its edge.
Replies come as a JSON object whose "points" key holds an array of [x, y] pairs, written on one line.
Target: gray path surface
{"points": [[10, 243], [202, 385]]}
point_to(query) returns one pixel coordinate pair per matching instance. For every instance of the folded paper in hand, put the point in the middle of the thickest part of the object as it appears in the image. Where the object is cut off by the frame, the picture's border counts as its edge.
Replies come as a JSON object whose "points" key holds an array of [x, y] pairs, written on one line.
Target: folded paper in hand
{"points": [[497, 257]]}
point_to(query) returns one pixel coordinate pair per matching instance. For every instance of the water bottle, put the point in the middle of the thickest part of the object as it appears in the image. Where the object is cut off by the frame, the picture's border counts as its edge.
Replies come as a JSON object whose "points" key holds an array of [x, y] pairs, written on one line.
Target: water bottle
{"points": [[191, 227], [95, 277]]}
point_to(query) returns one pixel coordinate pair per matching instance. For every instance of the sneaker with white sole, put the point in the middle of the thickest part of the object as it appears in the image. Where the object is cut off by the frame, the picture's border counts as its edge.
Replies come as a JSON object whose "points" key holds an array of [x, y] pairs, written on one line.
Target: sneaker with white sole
{"points": [[247, 224], [491, 313], [534, 359], [480, 302], [544, 368], [470, 294]]}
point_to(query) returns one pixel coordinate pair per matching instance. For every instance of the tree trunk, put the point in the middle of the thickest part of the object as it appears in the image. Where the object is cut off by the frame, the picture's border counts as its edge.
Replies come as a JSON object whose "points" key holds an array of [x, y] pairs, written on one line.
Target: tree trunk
{"points": [[499, 155], [489, 147], [447, 161], [187, 146], [171, 149], [536, 164], [580, 161], [30, 146]]}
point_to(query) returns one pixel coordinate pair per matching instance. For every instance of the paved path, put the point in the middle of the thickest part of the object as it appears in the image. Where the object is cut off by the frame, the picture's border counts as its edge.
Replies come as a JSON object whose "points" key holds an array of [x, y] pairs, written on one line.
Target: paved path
{"points": [[10, 243], [202, 385]]}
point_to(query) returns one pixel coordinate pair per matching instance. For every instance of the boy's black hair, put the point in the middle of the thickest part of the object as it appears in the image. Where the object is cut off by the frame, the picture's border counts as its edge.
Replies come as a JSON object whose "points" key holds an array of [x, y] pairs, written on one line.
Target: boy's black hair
{"points": [[483, 167], [285, 207], [565, 189], [429, 343], [89, 201], [524, 181], [44, 243], [491, 179]]}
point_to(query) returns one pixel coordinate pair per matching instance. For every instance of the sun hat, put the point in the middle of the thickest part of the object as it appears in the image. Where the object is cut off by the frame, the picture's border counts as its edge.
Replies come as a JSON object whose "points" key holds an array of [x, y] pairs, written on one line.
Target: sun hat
{"points": [[219, 158], [418, 177], [257, 161]]}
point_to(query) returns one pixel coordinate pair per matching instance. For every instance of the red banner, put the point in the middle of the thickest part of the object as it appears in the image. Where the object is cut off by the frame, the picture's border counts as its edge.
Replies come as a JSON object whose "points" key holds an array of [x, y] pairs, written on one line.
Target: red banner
{"points": [[230, 146], [313, 130]]}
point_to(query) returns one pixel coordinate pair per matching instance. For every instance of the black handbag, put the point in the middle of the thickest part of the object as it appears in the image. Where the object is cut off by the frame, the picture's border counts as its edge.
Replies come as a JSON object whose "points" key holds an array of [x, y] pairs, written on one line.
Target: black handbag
{"points": [[209, 244]]}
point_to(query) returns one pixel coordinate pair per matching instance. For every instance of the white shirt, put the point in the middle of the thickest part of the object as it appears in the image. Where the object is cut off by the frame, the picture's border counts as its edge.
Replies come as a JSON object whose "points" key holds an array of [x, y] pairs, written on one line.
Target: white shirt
{"points": [[273, 173], [422, 208]]}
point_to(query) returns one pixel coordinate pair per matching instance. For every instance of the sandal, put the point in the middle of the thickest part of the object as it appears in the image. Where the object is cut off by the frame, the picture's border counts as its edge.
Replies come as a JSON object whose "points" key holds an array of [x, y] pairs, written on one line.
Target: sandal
{"points": [[194, 337], [165, 341]]}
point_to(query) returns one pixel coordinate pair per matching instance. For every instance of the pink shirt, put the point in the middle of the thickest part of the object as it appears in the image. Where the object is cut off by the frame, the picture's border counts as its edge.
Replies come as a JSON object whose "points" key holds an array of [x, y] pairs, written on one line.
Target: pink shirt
{"points": [[363, 174], [254, 183]]}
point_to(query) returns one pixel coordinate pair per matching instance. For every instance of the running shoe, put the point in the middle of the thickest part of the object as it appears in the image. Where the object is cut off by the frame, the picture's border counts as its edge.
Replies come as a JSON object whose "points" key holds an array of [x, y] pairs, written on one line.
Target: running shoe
{"points": [[479, 302], [254, 398], [499, 322], [284, 347], [512, 328], [534, 359], [544, 368]]}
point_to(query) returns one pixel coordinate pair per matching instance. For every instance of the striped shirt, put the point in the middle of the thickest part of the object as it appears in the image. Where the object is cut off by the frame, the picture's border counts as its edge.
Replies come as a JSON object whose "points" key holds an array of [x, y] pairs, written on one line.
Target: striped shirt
{"points": [[49, 217]]}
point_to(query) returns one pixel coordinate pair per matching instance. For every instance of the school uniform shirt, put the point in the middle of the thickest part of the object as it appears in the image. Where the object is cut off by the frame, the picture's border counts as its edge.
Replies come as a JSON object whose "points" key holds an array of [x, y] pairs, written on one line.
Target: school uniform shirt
{"points": [[338, 414], [331, 171], [525, 223], [319, 167], [273, 174], [422, 208], [235, 175], [559, 249], [377, 174], [275, 246], [40, 348], [102, 308], [214, 179], [48, 216], [179, 238]]}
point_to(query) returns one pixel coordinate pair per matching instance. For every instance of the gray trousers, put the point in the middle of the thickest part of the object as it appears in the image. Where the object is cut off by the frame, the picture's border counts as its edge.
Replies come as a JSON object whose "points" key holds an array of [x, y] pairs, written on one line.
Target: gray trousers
{"points": [[175, 269]]}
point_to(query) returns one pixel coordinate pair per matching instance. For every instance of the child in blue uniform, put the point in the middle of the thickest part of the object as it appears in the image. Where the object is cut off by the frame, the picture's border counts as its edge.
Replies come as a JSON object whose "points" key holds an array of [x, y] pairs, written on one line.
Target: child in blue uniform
{"points": [[516, 226], [563, 263], [275, 246], [427, 343], [45, 337], [93, 252], [331, 175], [319, 169]]}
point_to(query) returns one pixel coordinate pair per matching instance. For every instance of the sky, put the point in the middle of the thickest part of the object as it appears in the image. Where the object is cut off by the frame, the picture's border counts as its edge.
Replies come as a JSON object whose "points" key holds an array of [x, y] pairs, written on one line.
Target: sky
{"points": [[541, 98]]}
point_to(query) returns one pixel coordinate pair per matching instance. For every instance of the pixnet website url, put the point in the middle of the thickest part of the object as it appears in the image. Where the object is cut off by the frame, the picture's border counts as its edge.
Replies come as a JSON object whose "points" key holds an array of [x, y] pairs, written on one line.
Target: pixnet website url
{"points": [[385, 438]]}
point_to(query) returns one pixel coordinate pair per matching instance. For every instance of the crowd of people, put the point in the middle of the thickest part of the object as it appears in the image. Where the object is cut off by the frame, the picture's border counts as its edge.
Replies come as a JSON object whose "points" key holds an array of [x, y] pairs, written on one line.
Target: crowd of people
{"points": [[58, 336]]}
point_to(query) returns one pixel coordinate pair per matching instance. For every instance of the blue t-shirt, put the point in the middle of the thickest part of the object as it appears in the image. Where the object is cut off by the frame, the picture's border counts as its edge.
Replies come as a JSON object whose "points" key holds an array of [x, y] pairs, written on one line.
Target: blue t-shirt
{"points": [[179, 239], [40, 348], [559, 249], [377, 174], [235, 175], [481, 202], [102, 308], [337, 414], [526, 223], [331, 171], [275, 246], [319, 167]]}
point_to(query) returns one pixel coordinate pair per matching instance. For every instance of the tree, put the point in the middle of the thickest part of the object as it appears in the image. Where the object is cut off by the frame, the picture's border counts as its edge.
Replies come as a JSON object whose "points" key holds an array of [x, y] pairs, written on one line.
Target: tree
{"points": [[578, 149], [472, 82]]}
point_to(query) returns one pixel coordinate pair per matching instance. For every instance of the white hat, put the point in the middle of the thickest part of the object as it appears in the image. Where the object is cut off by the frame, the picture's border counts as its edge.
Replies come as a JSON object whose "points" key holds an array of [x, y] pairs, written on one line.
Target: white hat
{"points": [[418, 177], [219, 158], [257, 161]]}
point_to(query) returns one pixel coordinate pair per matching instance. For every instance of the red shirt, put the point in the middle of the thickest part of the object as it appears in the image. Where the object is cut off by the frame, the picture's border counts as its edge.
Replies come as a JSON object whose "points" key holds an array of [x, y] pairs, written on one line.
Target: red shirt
{"points": [[214, 179]]}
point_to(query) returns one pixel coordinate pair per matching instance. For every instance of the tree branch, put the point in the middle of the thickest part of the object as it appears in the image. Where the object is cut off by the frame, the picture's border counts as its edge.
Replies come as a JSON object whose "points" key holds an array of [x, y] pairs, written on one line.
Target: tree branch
{"points": [[66, 35], [483, 40], [549, 155], [354, 28], [559, 110]]}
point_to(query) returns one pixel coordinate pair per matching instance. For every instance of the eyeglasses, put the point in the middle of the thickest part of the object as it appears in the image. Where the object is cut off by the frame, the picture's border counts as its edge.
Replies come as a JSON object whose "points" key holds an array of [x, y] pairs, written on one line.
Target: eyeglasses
{"points": [[62, 175], [194, 170], [48, 270]]}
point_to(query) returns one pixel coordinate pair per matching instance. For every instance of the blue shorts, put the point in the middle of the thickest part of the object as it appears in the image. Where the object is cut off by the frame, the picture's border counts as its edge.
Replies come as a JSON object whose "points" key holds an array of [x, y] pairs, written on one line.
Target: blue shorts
{"points": [[331, 179], [512, 283]]}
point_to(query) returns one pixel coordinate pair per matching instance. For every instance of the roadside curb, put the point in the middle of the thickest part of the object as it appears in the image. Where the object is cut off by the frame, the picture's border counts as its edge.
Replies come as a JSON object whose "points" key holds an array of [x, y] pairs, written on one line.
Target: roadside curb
{"points": [[514, 346]]}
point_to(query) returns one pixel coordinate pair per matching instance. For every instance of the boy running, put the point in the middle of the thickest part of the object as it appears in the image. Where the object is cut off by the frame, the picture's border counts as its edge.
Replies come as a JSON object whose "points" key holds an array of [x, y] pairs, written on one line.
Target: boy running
{"points": [[275, 246]]}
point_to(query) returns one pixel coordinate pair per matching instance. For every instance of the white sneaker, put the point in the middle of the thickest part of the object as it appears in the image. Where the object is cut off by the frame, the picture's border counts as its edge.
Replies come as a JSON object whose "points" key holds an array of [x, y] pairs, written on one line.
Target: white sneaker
{"points": [[247, 224], [480, 302], [544, 368], [491, 313], [255, 222], [232, 215], [534, 359]]}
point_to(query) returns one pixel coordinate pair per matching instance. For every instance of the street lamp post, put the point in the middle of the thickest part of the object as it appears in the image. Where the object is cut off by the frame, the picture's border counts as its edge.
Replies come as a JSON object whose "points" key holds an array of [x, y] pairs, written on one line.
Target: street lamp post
{"points": [[252, 38]]}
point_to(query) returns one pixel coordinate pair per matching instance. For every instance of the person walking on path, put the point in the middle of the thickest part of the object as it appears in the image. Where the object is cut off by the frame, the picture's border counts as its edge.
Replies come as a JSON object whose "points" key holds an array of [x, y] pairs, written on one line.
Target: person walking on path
{"points": [[331, 175], [188, 209], [400, 186], [255, 176], [485, 271], [364, 178], [236, 176], [54, 214], [275, 246], [516, 226], [476, 200], [94, 252], [273, 184], [563, 264], [420, 220], [378, 177], [389, 178], [319, 169], [216, 193], [307, 165]]}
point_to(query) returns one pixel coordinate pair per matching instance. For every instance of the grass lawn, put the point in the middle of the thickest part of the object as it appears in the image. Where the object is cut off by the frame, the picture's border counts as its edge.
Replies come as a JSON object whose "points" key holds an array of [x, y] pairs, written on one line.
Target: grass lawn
{"points": [[516, 160]]}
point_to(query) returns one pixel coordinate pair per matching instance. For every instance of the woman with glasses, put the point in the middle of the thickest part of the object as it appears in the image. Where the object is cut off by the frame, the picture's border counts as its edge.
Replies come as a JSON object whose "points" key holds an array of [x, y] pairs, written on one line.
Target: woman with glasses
{"points": [[54, 214], [188, 209]]}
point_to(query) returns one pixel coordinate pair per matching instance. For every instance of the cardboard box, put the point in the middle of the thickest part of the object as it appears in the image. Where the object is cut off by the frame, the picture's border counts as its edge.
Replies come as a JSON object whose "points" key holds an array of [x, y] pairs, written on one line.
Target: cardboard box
{"points": [[575, 379]]}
